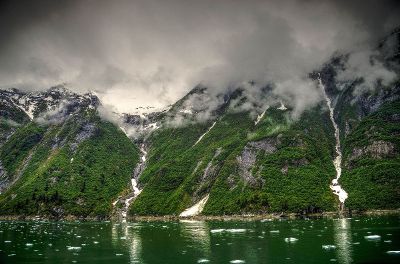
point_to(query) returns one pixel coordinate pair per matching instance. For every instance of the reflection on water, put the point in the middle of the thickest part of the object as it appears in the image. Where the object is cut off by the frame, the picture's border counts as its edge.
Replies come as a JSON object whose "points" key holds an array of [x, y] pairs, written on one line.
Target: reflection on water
{"points": [[199, 232], [181, 242], [342, 229], [127, 234]]}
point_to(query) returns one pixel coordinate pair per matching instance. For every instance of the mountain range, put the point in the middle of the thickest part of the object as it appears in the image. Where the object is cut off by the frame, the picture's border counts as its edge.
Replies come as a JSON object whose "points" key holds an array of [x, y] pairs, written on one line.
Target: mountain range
{"points": [[60, 156]]}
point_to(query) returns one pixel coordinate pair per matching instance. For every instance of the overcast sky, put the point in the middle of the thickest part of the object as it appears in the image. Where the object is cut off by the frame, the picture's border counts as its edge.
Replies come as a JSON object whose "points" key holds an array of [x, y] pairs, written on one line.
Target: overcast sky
{"points": [[140, 53]]}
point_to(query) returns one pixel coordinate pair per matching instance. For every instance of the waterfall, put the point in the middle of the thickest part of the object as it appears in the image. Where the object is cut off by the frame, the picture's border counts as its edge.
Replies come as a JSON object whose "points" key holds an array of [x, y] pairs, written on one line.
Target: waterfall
{"points": [[337, 162], [129, 198]]}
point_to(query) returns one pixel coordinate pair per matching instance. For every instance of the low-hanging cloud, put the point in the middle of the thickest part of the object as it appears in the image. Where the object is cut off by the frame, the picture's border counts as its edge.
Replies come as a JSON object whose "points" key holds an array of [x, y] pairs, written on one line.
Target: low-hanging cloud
{"points": [[150, 53]]}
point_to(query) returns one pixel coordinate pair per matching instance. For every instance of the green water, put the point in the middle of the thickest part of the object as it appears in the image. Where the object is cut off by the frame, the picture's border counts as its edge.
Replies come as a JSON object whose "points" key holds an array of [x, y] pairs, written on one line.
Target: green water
{"points": [[356, 240]]}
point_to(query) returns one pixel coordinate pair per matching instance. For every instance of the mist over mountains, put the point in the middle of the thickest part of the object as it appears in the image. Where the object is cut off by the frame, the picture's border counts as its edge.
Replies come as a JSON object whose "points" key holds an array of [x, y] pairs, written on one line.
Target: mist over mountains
{"points": [[151, 53]]}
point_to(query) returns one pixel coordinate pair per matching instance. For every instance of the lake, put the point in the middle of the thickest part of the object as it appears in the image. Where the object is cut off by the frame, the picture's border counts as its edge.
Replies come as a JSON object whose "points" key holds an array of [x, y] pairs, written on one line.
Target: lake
{"points": [[356, 240]]}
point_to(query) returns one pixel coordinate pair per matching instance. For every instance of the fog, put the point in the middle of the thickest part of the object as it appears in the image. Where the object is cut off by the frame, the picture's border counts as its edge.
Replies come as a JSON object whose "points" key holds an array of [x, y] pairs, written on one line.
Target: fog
{"points": [[151, 53]]}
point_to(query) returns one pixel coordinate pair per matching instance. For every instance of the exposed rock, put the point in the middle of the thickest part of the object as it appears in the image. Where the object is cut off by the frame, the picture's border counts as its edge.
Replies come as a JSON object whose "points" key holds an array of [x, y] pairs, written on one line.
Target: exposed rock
{"points": [[285, 169], [209, 175], [248, 158], [87, 130], [232, 181], [293, 163], [377, 150], [268, 145], [6, 182]]}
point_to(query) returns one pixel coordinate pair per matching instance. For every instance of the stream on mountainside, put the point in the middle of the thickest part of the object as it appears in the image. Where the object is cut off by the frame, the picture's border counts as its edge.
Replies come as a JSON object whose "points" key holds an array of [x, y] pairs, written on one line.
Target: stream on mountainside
{"points": [[337, 162], [135, 191]]}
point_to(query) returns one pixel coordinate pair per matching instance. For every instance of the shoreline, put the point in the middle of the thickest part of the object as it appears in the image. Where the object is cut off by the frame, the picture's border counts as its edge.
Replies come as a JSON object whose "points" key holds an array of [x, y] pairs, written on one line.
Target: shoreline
{"points": [[246, 217]]}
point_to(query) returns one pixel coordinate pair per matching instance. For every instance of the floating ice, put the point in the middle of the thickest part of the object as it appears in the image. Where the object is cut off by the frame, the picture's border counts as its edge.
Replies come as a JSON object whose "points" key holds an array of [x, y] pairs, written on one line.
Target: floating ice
{"points": [[388, 241], [373, 237], [237, 261], [119, 254], [328, 247], [217, 230], [274, 231], [74, 248], [291, 240], [393, 252], [203, 261], [7, 241], [233, 230], [28, 244]]}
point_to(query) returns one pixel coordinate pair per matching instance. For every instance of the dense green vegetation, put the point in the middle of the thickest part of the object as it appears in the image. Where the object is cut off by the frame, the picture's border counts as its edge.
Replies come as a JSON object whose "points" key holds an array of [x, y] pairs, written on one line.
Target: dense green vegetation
{"points": [[80, 165], [63, 176], [372, 179], [176, 169]]}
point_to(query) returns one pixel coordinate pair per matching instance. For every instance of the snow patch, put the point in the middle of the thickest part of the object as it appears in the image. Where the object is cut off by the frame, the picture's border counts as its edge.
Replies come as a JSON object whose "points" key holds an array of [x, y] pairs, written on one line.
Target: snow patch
{"points": [[195, 209], [282, 107], [259, 117], [201, 137]]}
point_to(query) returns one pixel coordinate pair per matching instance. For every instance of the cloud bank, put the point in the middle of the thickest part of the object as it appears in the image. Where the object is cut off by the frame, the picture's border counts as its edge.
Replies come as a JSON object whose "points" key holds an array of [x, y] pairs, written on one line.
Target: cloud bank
{"points": [[150, 53]]}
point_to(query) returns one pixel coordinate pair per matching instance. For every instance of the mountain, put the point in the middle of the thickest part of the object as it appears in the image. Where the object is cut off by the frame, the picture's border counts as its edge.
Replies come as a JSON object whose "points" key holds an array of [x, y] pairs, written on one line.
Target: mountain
{"points": [[67, 161], [206, 154]]}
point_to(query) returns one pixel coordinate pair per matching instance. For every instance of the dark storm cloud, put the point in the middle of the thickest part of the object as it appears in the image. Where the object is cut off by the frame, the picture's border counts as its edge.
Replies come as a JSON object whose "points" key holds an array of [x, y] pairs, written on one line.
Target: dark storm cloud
{"points": [[152, 52]]}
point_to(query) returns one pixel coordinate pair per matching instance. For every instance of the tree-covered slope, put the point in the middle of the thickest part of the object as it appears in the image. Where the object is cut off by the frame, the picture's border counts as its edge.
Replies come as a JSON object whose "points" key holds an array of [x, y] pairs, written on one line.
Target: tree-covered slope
{"points": [[279, 164], [372, 161], [77, 166]]}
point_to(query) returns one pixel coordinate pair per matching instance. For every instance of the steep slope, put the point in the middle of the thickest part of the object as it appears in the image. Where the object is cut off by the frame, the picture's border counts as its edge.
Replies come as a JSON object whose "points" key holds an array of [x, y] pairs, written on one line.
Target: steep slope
{"points": [[276, 164], [70, 162]]}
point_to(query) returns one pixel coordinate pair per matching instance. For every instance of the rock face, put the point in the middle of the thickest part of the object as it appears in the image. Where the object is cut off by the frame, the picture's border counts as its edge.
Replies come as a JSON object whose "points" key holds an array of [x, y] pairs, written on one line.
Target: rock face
{"points": [[86, 131], [3, 176], [248, 158], [377, 150]]}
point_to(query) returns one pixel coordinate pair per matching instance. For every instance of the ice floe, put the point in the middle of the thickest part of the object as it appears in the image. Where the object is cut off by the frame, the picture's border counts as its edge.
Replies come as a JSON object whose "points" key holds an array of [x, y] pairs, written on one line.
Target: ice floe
{"points": [[373, 237], [291, 239]]}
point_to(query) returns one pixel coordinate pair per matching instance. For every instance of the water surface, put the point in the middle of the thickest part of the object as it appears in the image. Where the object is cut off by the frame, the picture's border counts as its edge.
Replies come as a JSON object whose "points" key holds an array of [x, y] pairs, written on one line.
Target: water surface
{"points": [[356, 240]]}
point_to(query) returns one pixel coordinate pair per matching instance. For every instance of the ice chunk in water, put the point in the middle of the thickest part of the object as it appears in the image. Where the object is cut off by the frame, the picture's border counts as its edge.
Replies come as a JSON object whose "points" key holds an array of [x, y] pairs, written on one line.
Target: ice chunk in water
{"points": [[393, 252], [373, 237], [290, 239], [328, 247], [74, 248], [233, 230], [274, 231], [203, 261], [237, 261], [217, 230], [28, 244]]}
